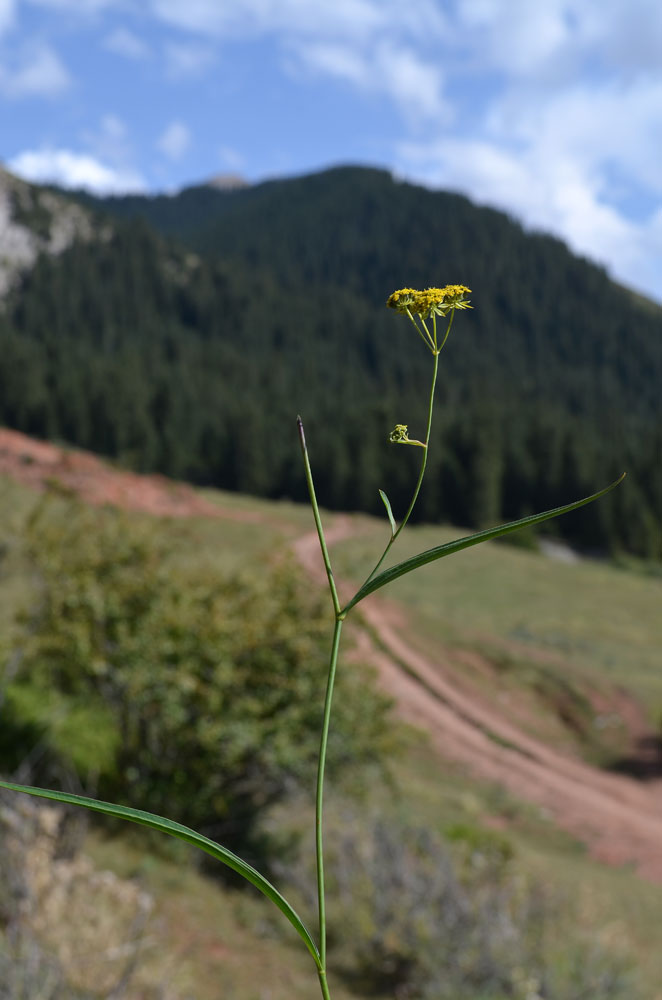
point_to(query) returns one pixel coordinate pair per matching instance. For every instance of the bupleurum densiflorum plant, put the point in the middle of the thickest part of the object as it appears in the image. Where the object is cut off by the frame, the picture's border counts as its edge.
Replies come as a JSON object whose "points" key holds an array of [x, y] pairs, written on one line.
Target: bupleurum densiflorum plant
{"points": [[431, 312]]}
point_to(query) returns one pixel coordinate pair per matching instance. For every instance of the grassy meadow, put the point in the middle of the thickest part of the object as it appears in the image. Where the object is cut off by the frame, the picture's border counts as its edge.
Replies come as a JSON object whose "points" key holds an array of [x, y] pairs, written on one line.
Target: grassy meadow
{"points": [[545, 627], [589, 626]]}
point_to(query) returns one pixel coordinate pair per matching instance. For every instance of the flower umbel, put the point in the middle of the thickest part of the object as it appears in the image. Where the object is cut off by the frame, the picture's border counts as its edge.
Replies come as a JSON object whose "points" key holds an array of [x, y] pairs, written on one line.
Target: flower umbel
{"points": [[431, 301], [402, 300], [428, 304]]}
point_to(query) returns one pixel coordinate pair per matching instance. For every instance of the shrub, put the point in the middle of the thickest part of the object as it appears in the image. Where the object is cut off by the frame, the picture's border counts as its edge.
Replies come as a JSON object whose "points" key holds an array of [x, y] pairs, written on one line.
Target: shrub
{"points": [[415, 918], [191, 692]]}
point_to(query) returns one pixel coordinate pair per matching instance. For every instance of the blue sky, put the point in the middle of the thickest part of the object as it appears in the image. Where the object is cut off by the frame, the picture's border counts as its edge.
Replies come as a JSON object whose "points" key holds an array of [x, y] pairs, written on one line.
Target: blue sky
{"points": [[548, 109]]}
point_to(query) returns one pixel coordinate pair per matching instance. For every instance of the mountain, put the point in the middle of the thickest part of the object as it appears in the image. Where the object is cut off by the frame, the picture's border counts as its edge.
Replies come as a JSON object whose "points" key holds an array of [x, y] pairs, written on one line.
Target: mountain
{"points": [[186, 335]]}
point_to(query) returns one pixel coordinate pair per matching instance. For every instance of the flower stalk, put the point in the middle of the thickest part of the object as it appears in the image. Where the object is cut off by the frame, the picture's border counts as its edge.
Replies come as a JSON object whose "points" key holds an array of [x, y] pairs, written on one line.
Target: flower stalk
{"points": [[432, 305]]}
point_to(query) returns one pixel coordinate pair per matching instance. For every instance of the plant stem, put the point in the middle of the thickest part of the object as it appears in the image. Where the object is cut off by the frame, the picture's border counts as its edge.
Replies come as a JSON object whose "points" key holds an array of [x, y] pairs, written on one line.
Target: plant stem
{"points": [[318, 519], [324, 739], [319, 798], [323, 983], [425, 454], [425, 337], [422, 471]]}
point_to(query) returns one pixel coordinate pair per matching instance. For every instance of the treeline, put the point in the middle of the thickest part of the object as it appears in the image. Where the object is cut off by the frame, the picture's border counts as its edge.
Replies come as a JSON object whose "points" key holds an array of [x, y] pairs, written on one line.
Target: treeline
{"points": [[196, 363]]}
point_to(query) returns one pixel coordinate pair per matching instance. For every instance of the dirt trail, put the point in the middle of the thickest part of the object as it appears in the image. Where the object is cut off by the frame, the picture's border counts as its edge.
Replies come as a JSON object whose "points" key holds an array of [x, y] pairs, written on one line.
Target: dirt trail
{"points": [[618, 818]]}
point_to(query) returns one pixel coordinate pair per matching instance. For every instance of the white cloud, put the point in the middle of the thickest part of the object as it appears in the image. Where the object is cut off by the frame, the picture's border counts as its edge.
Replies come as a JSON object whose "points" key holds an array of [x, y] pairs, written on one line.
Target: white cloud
{"points": [[357, 19], [113, 127], [550, 40], [397, 71], [78, 6], [372, 44], [593, 123], [37, 71], [7, 11], [557, 194], [187, 59], [231, 158], [109, 143], [565, 127], [74, 170], [516, 35], [123, 42], [175, 140], [412, 82], [629, 36]]}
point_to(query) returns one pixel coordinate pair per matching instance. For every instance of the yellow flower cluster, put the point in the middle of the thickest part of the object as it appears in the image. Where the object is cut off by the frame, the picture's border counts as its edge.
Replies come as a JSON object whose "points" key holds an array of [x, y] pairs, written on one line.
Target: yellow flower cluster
{"points": [[429, 301]]}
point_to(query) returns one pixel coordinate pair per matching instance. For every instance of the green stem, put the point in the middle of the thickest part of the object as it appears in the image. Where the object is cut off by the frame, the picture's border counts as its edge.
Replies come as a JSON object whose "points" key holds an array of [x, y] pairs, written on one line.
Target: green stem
{"points": [[425, 337], [421, 473], [448, 330], [425, 453], [323, 983], [318, 519], [324, 739], [319, 798]]}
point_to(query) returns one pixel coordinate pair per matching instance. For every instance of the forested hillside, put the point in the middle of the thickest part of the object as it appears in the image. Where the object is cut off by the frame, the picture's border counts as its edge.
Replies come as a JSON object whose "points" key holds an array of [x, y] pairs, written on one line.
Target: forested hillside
{"points": [[188, 338]]}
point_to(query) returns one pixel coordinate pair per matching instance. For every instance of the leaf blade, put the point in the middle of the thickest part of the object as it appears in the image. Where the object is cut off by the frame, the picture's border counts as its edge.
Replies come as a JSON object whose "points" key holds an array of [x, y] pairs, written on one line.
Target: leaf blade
{"points": [[448, 548], [189, 836], [387, 504]]}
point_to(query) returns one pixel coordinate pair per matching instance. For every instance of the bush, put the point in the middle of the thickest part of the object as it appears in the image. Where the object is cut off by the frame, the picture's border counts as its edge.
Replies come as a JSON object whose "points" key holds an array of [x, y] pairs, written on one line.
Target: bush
{"points": [[190, 692], [414, 918]]}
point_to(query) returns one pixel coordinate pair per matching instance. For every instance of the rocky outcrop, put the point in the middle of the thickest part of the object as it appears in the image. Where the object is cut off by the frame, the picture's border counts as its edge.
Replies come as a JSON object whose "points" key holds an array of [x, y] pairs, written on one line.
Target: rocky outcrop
{"points": [[35, 220], [67, 929]]}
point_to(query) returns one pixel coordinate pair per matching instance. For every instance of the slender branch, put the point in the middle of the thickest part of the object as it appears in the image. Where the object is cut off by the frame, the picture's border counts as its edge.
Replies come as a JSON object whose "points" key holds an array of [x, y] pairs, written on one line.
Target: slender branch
{"points": [[419, 482], [425, 337], [318, 519], [448, 330], [436, 351], [425, 452]]}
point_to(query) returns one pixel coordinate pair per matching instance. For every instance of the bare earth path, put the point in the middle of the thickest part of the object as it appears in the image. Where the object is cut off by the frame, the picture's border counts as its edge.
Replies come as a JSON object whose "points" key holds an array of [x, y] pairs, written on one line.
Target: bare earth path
{"points": [[618, 818]]}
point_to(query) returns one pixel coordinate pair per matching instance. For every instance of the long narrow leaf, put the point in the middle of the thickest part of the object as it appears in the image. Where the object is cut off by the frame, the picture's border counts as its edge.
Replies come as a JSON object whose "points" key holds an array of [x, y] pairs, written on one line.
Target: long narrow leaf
{"points": [[463, 543], [189, 836], [387, 504]]}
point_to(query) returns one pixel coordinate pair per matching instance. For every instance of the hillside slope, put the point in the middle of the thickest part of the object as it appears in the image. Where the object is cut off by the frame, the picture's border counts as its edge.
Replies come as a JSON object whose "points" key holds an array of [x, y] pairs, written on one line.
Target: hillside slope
{"points": [[453, 784], [618, 817]]}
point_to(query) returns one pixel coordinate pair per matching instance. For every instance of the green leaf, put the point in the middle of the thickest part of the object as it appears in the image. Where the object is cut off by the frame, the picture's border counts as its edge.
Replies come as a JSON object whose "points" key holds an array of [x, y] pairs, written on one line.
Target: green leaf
{"points": [[463, 543], [189, 836], [387, 504]]}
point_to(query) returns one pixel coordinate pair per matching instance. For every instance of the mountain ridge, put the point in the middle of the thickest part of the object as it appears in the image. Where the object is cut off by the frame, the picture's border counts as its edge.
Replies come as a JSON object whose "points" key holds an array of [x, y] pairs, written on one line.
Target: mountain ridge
{"points": [[202, 321]]}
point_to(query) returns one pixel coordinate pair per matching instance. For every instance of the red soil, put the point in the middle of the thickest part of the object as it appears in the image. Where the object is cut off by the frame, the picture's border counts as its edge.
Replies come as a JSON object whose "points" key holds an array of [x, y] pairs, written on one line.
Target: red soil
{"points": [[41, 466]]}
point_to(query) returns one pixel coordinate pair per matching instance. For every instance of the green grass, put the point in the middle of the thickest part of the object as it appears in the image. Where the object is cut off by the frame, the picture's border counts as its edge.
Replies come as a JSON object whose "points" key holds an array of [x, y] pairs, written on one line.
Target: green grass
{"points": [[588, 623], [212, 941], [614, 903], [223, 943], [591, 619]]}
